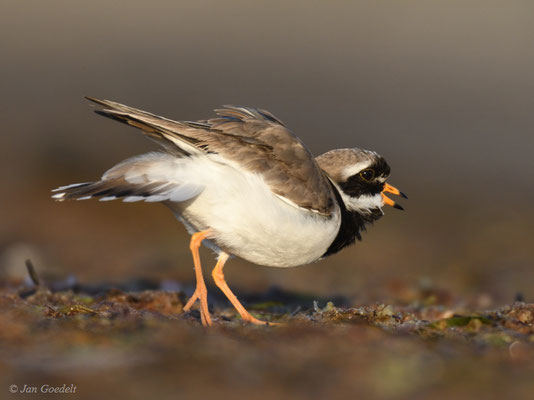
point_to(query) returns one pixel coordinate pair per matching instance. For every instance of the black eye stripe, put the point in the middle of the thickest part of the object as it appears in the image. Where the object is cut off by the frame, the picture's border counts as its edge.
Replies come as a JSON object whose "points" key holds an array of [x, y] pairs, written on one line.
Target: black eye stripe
{"points": [[358, 185]]}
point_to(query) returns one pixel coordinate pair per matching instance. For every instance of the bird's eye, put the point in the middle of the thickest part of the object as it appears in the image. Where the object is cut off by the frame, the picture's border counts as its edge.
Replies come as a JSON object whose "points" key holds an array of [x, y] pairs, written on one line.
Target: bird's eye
{"points": [[367, 174]]}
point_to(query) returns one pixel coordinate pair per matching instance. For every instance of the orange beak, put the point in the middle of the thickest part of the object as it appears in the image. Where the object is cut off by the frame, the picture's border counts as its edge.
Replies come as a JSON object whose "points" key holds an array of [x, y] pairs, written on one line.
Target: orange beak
{"points": [[393, 190]]}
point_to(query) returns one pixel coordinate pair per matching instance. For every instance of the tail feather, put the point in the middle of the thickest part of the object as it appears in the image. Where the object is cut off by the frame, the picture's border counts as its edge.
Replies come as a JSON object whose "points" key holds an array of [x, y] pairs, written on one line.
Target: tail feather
{"points": [[70, 191], [111, 190], [151, 177]]}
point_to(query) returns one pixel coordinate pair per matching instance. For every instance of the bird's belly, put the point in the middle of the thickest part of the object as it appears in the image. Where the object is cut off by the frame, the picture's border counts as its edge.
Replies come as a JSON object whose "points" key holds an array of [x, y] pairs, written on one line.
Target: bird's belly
{"points": [[287, 245], [249, 221]]}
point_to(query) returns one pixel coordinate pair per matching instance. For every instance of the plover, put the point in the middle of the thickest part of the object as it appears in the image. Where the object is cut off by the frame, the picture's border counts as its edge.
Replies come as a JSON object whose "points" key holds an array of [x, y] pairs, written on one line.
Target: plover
{"points": [[244, 185]]}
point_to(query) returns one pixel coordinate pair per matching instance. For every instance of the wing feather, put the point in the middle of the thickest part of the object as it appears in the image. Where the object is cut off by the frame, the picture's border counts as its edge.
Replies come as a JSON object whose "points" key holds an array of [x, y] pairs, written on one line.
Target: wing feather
{"points": [[248, 138]]}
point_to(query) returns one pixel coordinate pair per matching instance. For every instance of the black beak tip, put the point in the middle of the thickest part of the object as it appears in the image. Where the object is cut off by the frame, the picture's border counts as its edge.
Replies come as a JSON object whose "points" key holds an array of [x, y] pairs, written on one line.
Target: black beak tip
{"points": [[398, 207], [403, 195]]}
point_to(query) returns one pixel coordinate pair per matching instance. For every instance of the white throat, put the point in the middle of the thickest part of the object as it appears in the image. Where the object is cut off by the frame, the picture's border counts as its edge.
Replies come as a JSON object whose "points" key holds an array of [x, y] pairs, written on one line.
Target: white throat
{"points": [[363, 204]]}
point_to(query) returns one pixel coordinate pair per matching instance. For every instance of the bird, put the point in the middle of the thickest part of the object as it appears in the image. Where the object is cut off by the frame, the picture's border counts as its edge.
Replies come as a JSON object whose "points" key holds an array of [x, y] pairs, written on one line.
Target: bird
{"points": [[244, 185]]}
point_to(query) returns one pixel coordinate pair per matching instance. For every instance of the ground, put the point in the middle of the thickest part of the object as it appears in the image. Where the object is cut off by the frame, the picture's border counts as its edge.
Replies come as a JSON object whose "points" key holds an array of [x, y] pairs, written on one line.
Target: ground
{"points": [[428, 305], [118, 341]]}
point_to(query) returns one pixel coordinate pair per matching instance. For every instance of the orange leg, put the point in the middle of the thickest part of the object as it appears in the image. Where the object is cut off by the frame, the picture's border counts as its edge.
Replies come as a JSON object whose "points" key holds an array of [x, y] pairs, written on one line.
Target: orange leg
{"points": [[218, 277], [201, 293]]}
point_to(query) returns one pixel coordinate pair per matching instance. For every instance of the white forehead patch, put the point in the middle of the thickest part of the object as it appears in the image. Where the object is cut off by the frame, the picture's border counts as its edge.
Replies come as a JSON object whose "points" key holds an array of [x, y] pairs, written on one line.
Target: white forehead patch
{"points": [[355, 168]]}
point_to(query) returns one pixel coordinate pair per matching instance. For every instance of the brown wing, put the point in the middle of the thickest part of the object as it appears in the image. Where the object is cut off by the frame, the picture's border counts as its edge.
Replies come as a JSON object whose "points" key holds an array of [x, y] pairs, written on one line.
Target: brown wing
{"points": [[252, 138]]}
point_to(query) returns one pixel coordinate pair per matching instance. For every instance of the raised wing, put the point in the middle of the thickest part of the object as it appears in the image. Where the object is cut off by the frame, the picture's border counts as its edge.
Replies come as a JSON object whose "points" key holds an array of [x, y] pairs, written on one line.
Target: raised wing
{"points": [[250, 138]]}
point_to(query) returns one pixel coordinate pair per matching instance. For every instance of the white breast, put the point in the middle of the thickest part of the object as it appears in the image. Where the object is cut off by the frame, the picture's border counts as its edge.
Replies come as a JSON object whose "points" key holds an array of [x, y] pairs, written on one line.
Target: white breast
{"points": [[251, 222]]}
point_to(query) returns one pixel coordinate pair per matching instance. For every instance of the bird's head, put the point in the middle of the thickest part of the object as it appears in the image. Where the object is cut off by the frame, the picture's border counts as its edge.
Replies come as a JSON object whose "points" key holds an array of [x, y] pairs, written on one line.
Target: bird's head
{"points": [[360, 177]]}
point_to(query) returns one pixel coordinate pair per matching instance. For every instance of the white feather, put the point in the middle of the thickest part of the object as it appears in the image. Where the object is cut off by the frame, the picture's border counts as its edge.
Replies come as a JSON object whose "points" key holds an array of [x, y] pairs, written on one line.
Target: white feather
{"points": [[247, 219], [353, 169], [185, 192], [131, 199], [363, 203], [107, 198], [68, 186], [157, 197], [176, 184], [250, 221]]}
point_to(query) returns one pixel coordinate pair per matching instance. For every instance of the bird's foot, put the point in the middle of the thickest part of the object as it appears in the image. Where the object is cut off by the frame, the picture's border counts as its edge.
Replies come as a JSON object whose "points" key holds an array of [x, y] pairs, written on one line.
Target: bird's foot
{"points": [[200, 294], [246, 316]]}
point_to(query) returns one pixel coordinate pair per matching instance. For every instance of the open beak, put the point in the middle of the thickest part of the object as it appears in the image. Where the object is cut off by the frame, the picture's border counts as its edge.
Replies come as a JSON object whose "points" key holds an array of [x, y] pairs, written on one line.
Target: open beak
{"points": [[393, 190]]}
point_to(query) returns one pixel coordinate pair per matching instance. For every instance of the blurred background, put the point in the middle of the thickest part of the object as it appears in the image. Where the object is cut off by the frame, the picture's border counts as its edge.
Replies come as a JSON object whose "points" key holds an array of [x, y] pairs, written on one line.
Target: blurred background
{"points": [[443, 90]]}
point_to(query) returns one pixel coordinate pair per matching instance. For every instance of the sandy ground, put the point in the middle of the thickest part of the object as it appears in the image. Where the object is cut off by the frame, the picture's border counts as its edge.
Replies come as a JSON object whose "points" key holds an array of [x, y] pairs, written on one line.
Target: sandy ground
{"points": [[429, 305], [134, 343]]}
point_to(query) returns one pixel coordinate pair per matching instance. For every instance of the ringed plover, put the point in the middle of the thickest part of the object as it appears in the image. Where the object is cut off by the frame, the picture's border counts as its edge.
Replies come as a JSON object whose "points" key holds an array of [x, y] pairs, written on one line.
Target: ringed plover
{"points": [[244, 185]]}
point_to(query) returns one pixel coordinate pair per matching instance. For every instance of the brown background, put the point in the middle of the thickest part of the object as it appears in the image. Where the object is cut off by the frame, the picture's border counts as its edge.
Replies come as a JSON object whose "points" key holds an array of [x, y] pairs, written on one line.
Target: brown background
{"points": [[442, 89]]}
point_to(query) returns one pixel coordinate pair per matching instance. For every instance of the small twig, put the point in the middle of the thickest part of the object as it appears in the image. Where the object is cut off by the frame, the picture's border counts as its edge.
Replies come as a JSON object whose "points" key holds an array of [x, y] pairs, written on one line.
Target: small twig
{"points": [[296, 311], [32, 273]]}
